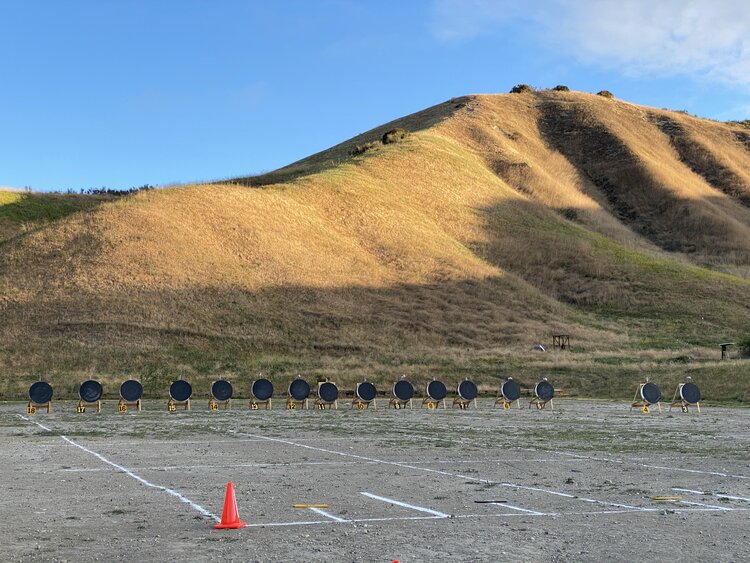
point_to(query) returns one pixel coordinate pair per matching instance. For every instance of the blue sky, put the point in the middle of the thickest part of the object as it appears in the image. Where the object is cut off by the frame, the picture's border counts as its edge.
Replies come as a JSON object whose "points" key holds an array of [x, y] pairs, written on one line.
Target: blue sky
{"points": [[123, 93]]}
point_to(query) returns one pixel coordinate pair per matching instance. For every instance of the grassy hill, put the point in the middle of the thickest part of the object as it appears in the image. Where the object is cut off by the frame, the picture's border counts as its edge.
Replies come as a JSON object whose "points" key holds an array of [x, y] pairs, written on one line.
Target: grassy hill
{"points": [[498, 221]]}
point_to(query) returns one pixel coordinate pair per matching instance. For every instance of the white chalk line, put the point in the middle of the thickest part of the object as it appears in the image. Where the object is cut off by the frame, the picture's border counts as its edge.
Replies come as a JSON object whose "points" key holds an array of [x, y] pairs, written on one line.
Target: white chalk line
{"points": [[427, 469], [689, 503], [406, 505], [182, 498], [519, 509], [717, 495], [293, 463], [651, 466], [329, 515]]}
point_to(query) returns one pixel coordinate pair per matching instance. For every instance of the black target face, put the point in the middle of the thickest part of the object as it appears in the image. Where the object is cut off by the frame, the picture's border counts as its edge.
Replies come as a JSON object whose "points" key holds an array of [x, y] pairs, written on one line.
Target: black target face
{"points": [[262, 389], [511, 390], [690, 393], [180, 390], [299, 390], [221, 390], [650, 393], [544, 391], [436, 390], [328, 392], [403, 390], [366, 391], [90, 391], [467, 390], [131, 390], [40, 392]]}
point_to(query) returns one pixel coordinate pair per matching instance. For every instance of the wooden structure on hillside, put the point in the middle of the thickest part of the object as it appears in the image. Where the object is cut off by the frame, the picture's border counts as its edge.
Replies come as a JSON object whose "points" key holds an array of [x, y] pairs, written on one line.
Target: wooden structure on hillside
{"points": [[724, 351], [561, 341]]}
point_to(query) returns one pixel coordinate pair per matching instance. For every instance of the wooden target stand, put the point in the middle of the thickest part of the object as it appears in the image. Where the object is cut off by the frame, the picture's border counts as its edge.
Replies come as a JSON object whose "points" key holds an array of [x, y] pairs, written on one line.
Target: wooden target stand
{"points": [[293, 404], [214, 404], [122, 405], [397, 403], [172, 405], [32, 407], [432, 404], [82, 405], [322, 404], [678, 401], [640, 403], [361, 404], [505, 403], [255, 404], [464, 404], [541, 404]]}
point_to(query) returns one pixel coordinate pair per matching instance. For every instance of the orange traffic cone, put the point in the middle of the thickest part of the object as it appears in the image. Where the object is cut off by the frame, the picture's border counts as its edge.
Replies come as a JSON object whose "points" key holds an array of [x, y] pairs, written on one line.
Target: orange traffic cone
{"points": [[230, 518]]}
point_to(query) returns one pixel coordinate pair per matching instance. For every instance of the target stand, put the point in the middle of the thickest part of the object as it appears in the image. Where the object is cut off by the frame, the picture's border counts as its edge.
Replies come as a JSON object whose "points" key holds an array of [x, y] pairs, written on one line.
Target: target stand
{"points": [[221, 395], [261, 391], [299, 392], [509, 391], [435, 392], [686, 395], [647, 395], [40, 397], [131, 392], [364, 395], [467, 394], [328, 395], [90, 393], [402, 394], [179, 395], [543, 393]]}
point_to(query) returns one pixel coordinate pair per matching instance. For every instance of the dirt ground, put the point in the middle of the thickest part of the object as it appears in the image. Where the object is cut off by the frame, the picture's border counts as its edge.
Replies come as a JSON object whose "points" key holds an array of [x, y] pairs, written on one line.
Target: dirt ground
{"points": [[573, 484]]}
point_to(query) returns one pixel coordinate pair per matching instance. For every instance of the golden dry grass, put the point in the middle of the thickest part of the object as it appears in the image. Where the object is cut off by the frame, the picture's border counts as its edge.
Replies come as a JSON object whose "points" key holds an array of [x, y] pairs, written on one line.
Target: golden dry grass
{"points": [[500, 220]]}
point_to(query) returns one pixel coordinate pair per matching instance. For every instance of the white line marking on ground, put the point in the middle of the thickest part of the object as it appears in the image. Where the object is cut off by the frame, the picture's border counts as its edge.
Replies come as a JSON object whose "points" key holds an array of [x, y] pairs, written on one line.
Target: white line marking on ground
{"points": [[409, 466], [706, 505], [651, 466], [172, 492], [290, 463], [406, 505], [526, 510], [329, 515], [717, 495]]}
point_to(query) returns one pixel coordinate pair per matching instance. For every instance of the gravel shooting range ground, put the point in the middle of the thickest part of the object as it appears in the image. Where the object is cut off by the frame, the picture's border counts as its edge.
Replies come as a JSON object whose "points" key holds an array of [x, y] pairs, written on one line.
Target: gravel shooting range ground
{"points": [[577, 483]]}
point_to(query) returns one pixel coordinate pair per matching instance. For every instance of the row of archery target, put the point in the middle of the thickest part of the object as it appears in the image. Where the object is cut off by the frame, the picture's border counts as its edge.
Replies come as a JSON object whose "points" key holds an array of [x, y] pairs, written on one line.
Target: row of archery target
{"points": [[299, 391]]}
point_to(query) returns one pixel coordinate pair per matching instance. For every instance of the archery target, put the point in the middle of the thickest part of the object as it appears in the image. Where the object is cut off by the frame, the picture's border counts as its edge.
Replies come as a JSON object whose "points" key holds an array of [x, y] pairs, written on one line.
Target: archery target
{"points": [[131, 390], [650, 393], [221, 390], [328, 392], [40, 392], [299, 389], [403, 390], [690, 393], [90, 391], [544, 390], [262, 389], [366, 391], [436, 390], [511, 390], [180, 390], [467, 390]]}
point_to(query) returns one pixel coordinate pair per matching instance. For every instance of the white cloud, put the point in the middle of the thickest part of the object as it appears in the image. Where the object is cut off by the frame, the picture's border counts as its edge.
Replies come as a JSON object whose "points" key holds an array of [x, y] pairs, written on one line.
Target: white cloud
{"points": [[705, 38]]}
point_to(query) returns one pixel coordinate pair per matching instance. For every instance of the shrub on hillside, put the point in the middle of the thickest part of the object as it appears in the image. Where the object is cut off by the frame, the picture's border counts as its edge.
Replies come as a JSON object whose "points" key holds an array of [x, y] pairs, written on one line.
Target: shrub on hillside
{"points": [[605, 94], [363, 148], [395, 135], [521, 88], [561, 88], [743, 344]]}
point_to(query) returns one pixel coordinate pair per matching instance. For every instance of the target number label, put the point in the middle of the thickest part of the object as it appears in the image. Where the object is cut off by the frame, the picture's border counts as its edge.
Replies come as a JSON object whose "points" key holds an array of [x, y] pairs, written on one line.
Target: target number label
{"points": [[122, 408], [684, 408], [213, 406], [171, 407], [645, 409], [431, 406], [80, 409], [254, 406], [291, 406], [31, 409], [360, 406], [506, 405]]}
